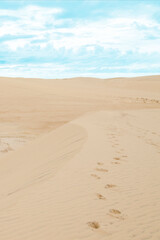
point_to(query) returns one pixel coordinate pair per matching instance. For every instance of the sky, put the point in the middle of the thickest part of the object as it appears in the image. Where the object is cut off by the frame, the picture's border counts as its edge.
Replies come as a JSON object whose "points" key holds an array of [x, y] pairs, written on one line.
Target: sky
{"points": [[92, 38]]}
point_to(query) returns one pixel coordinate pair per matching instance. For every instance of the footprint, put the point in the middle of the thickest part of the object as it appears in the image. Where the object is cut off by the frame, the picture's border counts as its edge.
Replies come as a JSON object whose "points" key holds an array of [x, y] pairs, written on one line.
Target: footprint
{"points": [[116, 214], [116, 144], [115, 162], [100, 163], [94, 225], [114, 211], [95, 176], [110, 186], [116, 158], [125, 156], [100, 196], [101, 170]]}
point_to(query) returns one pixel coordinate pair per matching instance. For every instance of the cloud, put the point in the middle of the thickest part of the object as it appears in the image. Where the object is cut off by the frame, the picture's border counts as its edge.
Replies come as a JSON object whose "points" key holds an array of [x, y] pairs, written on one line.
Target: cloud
{"points": [[52, 71], [18, 43], [31, 20], [36, 34], [122, 34], [133, 67], [31, 12]]}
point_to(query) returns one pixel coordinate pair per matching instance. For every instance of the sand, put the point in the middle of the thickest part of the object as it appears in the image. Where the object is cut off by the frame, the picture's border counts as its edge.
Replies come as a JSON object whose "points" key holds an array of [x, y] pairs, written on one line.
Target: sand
{"points": [[80, 159]]}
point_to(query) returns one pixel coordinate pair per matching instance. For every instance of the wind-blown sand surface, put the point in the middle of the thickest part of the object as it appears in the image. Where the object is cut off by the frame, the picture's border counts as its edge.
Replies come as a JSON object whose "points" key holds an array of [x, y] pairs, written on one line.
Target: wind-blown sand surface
{"points": [[90, 161]]}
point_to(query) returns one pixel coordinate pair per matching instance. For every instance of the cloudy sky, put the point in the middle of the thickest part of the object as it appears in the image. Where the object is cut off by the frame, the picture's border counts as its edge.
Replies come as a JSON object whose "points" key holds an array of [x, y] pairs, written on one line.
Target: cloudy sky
{"points": [[61, 38]]}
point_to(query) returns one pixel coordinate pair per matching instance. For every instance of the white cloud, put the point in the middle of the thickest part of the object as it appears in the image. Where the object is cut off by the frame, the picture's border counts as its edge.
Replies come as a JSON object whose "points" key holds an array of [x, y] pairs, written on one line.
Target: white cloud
{"points": [[31, 20], [90, 48], [53, 71], [133, 67], [117, 33], [38, 31], [18, 43], [31, 12], [45, 70]]}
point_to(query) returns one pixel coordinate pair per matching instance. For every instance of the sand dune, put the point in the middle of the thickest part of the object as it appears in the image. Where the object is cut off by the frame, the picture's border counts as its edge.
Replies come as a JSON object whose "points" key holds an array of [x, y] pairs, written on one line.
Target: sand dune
{"points": [[31, 107], [90, 167]]}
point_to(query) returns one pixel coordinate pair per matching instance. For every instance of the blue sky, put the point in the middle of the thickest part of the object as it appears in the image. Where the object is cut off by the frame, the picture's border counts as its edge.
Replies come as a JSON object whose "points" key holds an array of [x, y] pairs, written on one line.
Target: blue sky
{"points": [[61, 38]]}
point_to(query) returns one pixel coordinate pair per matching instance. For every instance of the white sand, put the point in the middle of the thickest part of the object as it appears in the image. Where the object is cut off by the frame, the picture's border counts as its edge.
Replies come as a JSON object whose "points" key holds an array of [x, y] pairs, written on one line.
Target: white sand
{"points": [[97, 176]]}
